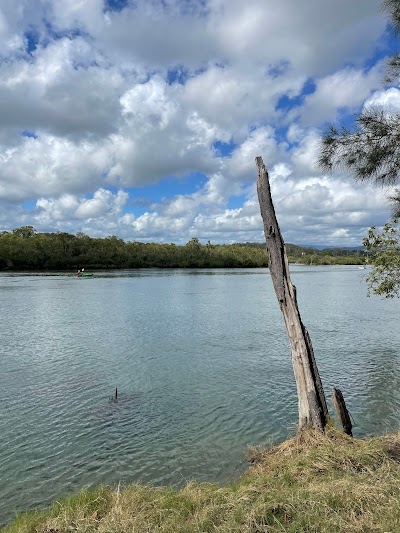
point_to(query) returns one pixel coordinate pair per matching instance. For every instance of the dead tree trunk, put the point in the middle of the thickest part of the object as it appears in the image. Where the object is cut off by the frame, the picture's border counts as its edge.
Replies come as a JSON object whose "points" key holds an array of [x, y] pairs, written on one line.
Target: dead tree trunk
{"points": [[312, 403], [340, 407]]}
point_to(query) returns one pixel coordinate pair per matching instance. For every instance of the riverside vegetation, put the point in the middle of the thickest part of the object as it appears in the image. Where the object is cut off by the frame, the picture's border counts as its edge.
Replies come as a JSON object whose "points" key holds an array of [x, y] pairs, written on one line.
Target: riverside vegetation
{"points": [[315, 482], [25, 249]]}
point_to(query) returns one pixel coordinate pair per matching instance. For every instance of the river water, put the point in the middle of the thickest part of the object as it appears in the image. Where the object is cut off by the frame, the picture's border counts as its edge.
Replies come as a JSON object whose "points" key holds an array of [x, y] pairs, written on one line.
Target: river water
{"points": [[202, 365]]}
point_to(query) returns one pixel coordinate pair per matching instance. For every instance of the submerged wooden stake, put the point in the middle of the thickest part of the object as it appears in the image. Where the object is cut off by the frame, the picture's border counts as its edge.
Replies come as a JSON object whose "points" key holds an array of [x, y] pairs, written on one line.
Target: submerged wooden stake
{"points": [[341, 410], [312, 403]]}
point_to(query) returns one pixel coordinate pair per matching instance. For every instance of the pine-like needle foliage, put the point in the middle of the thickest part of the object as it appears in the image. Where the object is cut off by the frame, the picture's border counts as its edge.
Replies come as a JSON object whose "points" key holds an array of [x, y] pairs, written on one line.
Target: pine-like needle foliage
{"points": [[392, 8], [371, 152]]}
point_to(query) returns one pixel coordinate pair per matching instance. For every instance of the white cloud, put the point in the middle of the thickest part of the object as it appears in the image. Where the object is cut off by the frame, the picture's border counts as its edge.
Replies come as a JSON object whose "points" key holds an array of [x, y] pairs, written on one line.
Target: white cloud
{"points": [[313, 36], [69, 207], [341, 232], [147, 105], [93, 105], [50, 165], [83, 14], [304, 154], [345, 89], [61, 92], [103, 201], [241, 165], [387, 99], [237, 98]]}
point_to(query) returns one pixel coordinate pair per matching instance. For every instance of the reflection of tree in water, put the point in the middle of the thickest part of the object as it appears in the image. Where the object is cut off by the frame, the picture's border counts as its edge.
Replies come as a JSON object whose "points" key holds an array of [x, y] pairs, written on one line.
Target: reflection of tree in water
{"points": [[380, 405]]}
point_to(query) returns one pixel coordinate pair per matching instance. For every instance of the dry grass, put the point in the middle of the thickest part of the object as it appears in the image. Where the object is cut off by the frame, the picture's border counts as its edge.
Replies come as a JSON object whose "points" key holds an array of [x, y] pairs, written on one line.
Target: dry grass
{"points": [[311, 483]]}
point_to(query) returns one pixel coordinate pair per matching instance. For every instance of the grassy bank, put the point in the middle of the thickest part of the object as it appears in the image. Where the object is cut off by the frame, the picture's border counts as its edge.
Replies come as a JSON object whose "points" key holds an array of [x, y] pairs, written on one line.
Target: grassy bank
{"points": [[311, 483]]}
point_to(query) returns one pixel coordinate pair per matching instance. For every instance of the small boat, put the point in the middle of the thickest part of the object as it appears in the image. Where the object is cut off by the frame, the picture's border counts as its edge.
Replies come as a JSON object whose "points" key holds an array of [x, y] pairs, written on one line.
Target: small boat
{"points": [[364, 265]]}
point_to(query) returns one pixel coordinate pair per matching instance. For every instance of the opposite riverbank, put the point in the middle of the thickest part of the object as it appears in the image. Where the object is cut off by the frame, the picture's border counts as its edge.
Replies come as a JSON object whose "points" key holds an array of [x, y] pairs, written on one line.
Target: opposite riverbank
{"points": [[25, 249], [310, 483]]}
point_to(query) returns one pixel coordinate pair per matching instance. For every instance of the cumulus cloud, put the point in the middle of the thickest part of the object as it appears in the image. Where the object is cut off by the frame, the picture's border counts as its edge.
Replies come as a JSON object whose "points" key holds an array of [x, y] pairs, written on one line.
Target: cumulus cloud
{"points": [[95, 100], [67, 206], [236, 101], [387, 99], [304, 153], [313, 36], [49, 165], [62, 91], [346, 89], [231, 31], [240, 166]]}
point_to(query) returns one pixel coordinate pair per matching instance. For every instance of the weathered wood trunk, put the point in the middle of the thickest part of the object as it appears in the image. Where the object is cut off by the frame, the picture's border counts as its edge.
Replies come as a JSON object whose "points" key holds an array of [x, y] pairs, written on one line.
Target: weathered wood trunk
{"points": [[340, 407], [312, 403]]}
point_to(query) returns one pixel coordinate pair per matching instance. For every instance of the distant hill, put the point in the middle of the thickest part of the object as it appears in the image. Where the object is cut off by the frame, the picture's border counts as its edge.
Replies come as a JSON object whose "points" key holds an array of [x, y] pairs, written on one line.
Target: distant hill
{"points": [[323, 247], [306, 248]]}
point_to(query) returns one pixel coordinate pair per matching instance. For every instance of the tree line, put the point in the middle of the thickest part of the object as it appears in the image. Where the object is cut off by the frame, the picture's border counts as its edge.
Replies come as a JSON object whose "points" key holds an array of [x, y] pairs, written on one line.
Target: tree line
{"points": [[26, 249]]}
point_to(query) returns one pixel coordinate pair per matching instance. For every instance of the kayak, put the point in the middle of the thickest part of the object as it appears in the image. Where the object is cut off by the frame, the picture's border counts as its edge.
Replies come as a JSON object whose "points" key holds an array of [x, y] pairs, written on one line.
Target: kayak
{"points": [[84, 275]]}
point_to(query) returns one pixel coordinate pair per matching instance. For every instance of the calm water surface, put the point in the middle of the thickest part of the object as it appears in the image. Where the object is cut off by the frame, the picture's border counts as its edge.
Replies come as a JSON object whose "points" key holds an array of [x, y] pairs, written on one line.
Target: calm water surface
{"points": [[202, 365]]}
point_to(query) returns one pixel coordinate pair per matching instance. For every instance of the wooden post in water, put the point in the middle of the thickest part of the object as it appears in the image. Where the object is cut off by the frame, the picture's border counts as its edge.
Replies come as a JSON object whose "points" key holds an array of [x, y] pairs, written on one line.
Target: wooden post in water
{"points": [[312, 403], [341, 410]]}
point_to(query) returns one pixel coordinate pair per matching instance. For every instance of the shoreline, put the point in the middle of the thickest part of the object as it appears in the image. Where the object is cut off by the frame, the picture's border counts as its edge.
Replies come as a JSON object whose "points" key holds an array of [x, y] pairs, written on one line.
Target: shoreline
{"points": [[94, 270], [312, 482]]}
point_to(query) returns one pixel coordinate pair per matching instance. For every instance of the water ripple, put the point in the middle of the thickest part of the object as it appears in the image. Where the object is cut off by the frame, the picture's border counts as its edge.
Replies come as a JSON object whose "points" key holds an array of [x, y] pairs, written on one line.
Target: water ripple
{"points": [[202, 365]]}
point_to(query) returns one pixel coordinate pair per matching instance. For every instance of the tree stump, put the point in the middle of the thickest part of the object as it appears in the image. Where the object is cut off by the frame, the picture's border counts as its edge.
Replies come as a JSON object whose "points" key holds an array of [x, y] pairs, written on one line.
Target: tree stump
{"points": [[341, 410]]}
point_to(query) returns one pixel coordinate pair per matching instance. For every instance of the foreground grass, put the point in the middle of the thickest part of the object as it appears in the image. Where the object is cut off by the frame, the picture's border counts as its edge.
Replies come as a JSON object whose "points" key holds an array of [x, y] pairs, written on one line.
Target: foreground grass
{"points": [[312, 483]]}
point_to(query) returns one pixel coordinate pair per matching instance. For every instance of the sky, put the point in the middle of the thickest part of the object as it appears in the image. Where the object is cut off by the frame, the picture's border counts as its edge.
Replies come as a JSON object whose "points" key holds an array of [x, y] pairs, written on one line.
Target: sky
{"points": [[142, 118]]}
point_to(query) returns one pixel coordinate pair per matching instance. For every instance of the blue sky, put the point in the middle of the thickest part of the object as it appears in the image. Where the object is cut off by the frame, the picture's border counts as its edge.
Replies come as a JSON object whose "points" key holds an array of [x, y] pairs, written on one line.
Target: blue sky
{"points": [[142, 119]]}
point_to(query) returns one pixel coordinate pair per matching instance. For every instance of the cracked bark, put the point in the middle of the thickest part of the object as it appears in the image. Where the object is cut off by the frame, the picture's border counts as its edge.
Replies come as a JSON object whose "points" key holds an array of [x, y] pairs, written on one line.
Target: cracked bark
{"points": [[311, 398]]}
